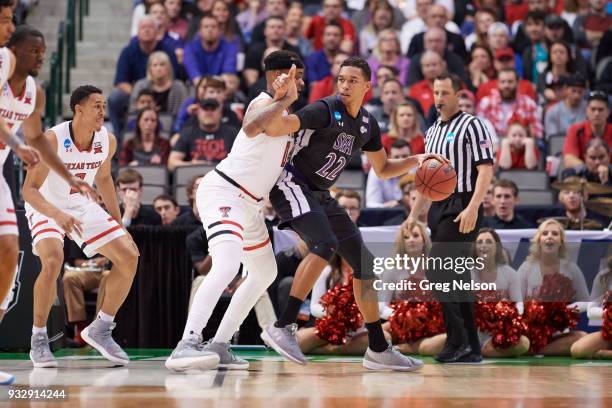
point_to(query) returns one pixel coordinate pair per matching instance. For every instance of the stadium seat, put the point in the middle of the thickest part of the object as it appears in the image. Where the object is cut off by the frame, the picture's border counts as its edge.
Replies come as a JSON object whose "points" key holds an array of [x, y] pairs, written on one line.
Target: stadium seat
{"points": [[183, 174], [526, 179], [351, 179], [153, 175], [555, 144], [536, 197], [166, 121], [180, 195], [150, 192]]}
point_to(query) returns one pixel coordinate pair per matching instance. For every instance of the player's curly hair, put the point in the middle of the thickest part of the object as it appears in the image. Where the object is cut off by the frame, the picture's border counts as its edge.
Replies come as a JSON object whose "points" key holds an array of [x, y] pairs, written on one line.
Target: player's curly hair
{"points": [[360, 63], [82, 93]]}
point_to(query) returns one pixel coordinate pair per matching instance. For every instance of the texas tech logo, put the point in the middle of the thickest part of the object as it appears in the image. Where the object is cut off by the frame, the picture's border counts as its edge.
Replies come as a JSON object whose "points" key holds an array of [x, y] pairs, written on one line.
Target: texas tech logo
{"points": [[13, 296], [225, 211], [97, 147]]}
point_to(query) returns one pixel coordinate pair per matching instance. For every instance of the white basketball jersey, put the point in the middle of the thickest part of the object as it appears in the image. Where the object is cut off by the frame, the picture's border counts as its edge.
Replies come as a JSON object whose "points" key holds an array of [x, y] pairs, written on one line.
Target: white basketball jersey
{"points": [[14, 109], [83, 164], [5, 66], [256, 162]]}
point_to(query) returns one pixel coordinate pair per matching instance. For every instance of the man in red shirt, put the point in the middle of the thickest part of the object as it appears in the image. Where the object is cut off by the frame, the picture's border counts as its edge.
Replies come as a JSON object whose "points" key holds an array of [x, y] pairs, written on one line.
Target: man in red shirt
{"points": [[596, 126], [504, 58], [332, 11], [432, 66]]}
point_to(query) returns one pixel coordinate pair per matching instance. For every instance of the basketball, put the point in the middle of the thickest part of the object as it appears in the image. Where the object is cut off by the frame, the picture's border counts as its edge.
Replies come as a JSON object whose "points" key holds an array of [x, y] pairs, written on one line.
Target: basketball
{"points": [[435, 180]]}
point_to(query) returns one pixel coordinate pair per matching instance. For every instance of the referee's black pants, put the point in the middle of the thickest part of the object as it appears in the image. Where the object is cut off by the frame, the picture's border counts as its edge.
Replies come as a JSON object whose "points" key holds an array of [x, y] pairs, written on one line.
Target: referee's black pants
{"points": [[448, 242]]}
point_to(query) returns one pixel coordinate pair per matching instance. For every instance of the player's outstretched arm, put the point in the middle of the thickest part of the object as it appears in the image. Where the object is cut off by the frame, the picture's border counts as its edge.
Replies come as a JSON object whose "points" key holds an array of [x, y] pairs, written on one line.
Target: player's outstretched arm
{"points": [[105, 184], [34, 136], [386, 168], [266, 117], [31, 194]]}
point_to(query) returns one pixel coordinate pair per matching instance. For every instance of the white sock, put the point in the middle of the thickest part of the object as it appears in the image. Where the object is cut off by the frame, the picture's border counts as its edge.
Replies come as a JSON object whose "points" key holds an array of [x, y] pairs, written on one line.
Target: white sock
{"points": [[39, 330], [105, 317], [261, 273], [226, 262]]}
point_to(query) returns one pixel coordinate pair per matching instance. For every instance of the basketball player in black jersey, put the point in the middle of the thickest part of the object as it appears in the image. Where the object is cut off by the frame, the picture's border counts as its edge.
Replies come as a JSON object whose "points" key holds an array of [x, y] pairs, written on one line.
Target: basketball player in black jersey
{"points": [[329, 132]]}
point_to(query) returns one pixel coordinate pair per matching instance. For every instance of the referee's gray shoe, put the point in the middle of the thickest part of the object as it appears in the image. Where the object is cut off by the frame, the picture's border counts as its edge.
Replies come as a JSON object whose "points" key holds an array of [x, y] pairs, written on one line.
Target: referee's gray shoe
{"points": [[227, 359], [284, 341], [99, 335], [390, 360], [190, 355]]}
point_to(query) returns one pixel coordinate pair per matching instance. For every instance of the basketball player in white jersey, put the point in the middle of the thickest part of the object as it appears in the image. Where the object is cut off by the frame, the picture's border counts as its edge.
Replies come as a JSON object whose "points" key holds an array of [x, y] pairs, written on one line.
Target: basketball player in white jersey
{"points": [[55, 210], [28, 45], [230, 201]]}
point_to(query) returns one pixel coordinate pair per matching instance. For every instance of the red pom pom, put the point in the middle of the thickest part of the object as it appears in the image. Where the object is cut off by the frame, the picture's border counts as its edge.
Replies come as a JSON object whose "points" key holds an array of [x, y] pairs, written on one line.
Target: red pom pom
{"points": [[412, 321], [341, 314], [606, 330], [502, 321]]}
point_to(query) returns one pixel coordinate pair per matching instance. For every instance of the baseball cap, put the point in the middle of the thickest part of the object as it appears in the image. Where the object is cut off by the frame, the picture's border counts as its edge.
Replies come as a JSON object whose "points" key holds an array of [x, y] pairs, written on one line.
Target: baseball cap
{"points": [[209, 103], [505, 52], [598, 96]]}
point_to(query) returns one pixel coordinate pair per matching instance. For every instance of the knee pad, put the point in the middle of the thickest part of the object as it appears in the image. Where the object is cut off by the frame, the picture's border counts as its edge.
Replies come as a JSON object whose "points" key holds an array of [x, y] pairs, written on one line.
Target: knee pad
{"points": [[325, 249]]}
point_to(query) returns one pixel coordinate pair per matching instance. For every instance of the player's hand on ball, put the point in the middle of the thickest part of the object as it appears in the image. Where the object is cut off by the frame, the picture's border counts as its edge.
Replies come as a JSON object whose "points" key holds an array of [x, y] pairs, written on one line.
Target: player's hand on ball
{"points": [[467, 219], [426, 156], [68, 223], [29, 155]]}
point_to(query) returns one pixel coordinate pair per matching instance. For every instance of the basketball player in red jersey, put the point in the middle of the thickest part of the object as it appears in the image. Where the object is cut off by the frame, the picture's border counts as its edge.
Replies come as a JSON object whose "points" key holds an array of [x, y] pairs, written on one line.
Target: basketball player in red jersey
{"points": [[54, 210]]}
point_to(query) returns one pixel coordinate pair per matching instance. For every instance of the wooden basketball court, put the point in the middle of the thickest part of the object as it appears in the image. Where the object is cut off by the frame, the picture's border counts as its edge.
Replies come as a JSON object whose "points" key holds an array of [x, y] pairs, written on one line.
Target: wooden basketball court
{"points": [[90, 381]]}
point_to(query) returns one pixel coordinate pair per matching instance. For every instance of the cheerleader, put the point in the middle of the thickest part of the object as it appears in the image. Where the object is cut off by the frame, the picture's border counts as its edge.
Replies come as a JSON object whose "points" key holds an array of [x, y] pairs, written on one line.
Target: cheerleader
{"points": [[547, 257], [594, 345], [413, 244], [337, 272]]}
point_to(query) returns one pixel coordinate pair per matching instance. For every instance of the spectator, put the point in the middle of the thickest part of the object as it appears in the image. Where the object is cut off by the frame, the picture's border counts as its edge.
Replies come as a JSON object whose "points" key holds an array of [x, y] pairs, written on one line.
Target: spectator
{"points": [[535, 56], [146, 147], [505, 59], [230, 31], [437, 17], [81, 275], [318, 63], [138, 13], [274, 8], [596, 126], [129, 186], [522, 40], [387, 52], [275, 37], [361, 18], [191, 217], [483, 20], [573, 9], [435, 40], [576, 215], [432, 66], [199, 8], [208, 53], [386, 193], [505, 105], [409, 196], [405, 126], [328, 85], [498, 38], [168, 92], [382, 20], [596, 168], [589, 28], [417, 24], [209, 87], [557, 29], [410, 11], [391, 95], [295, 24], [518, 150], [467, 103], [177, 23], [332, 11], [560, 66], [254, 14], [505, 199], [481, 66], [167, 208], [164, 35], [351, 201], [572, 109], [144, 100], [205, 143], [233, 94], [131, 67]]}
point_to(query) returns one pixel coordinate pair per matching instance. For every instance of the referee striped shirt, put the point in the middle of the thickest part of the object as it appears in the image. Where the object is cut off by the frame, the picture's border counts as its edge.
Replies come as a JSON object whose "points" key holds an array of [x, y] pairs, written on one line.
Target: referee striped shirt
{"points": [[464, 140]]}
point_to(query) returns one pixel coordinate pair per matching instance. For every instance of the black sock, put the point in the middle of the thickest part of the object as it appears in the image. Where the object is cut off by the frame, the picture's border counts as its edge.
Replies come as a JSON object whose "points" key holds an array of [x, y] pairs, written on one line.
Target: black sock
{"points": [[376, 337], [290, 314]]}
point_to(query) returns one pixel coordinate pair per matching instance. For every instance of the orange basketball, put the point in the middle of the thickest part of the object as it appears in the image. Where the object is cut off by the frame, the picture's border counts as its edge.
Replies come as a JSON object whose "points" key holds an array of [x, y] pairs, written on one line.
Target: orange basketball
{"points": [[435, 180]]}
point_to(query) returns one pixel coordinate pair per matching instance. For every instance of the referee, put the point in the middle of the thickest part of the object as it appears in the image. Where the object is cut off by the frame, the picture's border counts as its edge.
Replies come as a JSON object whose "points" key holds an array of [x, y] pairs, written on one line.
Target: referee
{"points": [[454, 222]]}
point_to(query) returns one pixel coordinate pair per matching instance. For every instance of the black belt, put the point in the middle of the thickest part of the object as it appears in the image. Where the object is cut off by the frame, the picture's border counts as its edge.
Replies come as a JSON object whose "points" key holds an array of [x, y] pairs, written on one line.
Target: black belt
{"points": [[232, 182]]}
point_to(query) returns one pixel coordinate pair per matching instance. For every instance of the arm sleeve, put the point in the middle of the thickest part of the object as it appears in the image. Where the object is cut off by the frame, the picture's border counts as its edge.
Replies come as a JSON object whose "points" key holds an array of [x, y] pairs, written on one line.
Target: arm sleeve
{"points": [[314, 116], [374, 193], [479, 139], [318, 290], [374, 144], [122, 71]]}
